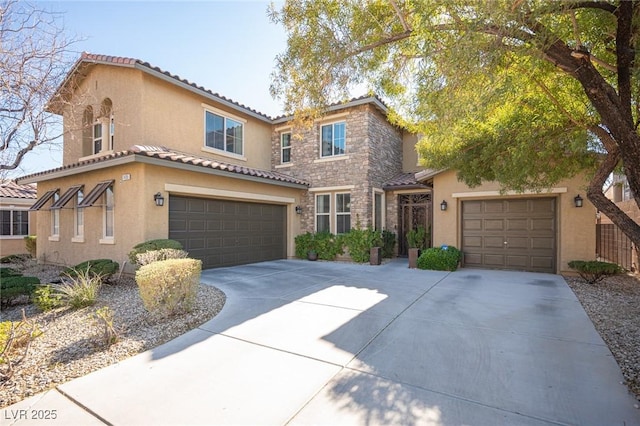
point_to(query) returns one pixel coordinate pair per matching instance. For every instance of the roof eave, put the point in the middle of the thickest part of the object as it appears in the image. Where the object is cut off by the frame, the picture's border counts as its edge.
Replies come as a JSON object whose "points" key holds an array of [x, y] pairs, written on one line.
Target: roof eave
{"points": [[142, 158]]}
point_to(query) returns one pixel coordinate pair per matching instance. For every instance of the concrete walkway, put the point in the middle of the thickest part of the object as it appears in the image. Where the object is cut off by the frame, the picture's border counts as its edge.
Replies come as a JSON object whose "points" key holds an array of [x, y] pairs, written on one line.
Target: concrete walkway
{"points": [[303, 342]]}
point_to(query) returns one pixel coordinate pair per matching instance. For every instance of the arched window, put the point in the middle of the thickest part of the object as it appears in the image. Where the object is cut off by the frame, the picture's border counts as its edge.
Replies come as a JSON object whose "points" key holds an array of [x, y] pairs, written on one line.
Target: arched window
{"points": [[87, 132]]}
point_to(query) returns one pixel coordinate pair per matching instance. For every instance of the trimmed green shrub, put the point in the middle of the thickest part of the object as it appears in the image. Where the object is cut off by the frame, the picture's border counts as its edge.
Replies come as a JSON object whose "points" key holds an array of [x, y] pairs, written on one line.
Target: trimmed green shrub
{"points": [[325, 244], [30, 244], [14, 287], [359, 242], [9, 272], [445, 258], [169, 287], [46, 299], [152, 245], [157, 255], [82, 290], [97, 267], [593, 271], [388, 243]]}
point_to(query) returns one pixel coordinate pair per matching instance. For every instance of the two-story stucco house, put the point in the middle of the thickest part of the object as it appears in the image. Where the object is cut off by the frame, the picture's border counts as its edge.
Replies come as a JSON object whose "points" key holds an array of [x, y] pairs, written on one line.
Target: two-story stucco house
{"points": [[150, 155]]}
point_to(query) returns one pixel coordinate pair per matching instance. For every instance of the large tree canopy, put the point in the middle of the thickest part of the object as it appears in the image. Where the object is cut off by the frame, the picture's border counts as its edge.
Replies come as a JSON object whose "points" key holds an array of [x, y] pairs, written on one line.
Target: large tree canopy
{"points": [[522, 92], [33, 62]]}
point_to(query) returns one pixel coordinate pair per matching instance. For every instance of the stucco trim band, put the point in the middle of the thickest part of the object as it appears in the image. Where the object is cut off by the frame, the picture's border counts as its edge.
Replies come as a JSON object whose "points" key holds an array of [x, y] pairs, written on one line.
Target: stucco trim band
{"points": [[222, 193], [559, 190]]}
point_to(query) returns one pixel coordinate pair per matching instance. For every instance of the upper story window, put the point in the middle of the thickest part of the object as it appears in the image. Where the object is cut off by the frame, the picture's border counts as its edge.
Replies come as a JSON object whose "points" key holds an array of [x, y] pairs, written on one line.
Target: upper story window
{"points": [[285, 147], [224, 133], [99, 133], [333, 139], [97, 138], [14, 223]]}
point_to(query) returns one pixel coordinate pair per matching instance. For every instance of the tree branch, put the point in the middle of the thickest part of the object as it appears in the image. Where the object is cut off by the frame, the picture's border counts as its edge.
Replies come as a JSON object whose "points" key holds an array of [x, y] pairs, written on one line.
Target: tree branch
{"points": [[371, 46], [403, 21]]}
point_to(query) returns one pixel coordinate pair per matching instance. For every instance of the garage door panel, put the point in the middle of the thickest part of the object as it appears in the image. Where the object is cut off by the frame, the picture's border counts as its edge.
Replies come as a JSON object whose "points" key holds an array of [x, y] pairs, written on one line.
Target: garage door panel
{"points": [[521, 224], [226, 232], [527, 225], [493, 207], [493, 242], [472, 224]]}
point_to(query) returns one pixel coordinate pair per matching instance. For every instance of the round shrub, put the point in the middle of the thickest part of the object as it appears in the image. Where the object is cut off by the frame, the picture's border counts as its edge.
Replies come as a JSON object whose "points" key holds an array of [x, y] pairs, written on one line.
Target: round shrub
{"points": [[169, 287], [445, 258], [152, 245]]}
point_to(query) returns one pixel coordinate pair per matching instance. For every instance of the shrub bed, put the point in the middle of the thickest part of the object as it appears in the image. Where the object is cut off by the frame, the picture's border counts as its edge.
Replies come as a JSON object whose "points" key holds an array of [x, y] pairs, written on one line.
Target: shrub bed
{"points": [[445, 258], [593, 271]]}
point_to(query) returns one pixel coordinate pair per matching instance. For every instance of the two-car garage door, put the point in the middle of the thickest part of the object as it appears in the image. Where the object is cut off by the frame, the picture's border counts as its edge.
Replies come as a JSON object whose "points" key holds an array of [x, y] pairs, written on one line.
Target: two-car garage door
{"points": [[227, 232], [518, 234]]}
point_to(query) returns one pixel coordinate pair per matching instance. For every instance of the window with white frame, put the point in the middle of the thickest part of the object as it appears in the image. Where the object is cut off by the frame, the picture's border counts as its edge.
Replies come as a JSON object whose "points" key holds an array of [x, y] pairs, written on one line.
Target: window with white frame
{"points": [[97, 137], [343, 213], [108, 211], [333, 139], [112, 131], [285, 148], [55, 217], [14, 223], [323, 213], [79, 216], [223, 133]]}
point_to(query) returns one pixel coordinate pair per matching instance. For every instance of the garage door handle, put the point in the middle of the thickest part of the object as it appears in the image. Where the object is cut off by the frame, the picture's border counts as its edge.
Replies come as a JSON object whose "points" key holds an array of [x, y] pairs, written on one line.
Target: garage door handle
{"points": [[505, 243]]}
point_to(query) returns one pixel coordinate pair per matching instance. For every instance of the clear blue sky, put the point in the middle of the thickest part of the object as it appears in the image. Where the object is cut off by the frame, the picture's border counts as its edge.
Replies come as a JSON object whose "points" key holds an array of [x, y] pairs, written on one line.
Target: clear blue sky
{"points": [[228, 47]]}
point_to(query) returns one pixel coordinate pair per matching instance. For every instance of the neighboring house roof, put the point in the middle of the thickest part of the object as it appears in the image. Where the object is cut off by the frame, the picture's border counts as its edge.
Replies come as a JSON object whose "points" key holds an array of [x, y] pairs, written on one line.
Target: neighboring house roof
{"points": [[404, 181], [11, 189], [166, 157]]}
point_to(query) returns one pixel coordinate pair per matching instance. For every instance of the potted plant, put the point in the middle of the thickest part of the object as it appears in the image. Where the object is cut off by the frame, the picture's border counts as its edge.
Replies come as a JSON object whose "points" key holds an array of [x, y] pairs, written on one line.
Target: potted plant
{"points": [[375, 252], [312, 254], [416, 240]]}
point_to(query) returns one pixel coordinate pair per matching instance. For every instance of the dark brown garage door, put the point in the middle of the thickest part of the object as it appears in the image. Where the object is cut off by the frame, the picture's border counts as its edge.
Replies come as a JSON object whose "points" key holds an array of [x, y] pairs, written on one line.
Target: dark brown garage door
{"points": [[518, 234], [227, 233]]}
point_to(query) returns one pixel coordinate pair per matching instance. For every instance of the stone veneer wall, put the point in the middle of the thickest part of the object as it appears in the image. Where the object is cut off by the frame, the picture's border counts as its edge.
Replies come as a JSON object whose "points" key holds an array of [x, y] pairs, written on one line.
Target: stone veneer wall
{"points": [[373, 155]]}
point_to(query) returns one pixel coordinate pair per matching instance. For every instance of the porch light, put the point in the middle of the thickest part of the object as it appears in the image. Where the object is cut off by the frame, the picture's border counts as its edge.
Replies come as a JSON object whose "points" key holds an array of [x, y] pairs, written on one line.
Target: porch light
{"points": [[298, 210], [443, 205], [159, 199], [577, 201]]}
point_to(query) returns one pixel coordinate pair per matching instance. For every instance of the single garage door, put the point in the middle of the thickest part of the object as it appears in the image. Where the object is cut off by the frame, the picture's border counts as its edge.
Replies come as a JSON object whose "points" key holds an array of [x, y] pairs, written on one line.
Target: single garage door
{"points": [[518, 234], [227, 233]]}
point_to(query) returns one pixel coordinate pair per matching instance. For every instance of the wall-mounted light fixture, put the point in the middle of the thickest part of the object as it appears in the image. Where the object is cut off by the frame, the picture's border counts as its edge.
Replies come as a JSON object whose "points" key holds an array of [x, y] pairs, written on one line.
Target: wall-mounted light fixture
{"points": [[577, 201], [298, 210], [443, 205], [159, 199]]}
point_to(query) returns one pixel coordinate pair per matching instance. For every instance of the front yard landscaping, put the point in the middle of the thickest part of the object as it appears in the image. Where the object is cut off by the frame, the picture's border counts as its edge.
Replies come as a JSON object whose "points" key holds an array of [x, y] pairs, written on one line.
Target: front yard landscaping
{"points": [[72, 341]]}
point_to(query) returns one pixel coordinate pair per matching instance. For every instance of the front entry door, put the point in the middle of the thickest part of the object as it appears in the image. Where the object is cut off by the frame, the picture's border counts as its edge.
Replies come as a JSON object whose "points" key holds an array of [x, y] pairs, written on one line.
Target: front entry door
{"points": [[415, 210]]}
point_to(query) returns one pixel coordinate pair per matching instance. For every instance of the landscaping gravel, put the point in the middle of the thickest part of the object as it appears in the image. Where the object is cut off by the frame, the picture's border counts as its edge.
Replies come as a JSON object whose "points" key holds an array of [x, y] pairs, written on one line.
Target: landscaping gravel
{"points": [[72, 343], [614, 308]]}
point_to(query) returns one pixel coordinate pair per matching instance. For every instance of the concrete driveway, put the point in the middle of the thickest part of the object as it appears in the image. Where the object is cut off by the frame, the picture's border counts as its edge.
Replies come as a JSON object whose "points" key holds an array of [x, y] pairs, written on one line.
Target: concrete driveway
{"points": [[303, 342]]}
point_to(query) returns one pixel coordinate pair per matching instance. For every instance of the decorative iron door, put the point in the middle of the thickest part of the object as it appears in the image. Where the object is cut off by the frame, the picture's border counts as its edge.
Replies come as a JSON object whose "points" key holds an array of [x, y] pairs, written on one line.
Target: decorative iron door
{"points": [[414, 211]]}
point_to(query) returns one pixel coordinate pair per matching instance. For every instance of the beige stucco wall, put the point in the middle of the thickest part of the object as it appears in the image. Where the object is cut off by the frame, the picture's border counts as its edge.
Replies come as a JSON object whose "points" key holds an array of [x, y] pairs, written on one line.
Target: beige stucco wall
{"points": [[576, 226], [152, 111], [409, 153], [137, 218]]}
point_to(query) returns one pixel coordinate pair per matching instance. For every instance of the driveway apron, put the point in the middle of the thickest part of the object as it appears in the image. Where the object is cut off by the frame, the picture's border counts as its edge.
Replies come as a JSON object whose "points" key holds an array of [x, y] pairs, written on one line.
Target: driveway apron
{"points": [[302, 342]]}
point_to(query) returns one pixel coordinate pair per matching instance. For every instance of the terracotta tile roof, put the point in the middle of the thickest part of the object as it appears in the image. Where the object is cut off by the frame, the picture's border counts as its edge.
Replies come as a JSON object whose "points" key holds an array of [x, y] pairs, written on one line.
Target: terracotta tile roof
{"points": [[404, 181], [171, 156], [132, 62], [366, 99], [10, 189]]}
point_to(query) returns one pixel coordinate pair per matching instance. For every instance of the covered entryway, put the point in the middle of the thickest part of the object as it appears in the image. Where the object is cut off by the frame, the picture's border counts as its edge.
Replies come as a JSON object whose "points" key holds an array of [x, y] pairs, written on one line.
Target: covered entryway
{"points": [[227, 232], [517, 234], [414, 210]]}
